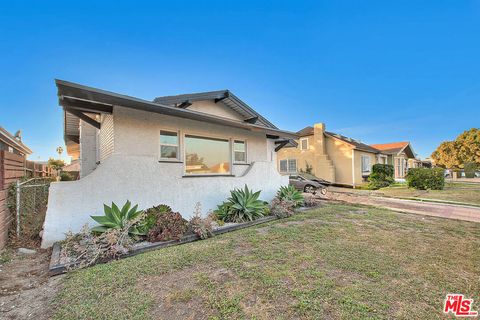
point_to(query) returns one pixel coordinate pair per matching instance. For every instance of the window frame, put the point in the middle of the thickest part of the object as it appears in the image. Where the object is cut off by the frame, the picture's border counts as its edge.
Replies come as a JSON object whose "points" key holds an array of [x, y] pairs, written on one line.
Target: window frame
{"points": [[288, 166], [362, 157], [178, 145], [234, 161], [211, 137], [301, 144]]}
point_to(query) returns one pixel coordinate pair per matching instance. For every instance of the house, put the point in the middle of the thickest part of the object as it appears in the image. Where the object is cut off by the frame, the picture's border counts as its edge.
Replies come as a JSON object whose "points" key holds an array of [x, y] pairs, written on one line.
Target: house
{"points": [[401, 156], [176, 150], [331, 156], [13, 143], [13, 153]]}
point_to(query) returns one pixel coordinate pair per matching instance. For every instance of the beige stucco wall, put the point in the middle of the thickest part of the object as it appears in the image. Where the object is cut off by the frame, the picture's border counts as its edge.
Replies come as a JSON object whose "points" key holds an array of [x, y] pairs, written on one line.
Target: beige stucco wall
{"points": [[341, 155], [358, 165]]}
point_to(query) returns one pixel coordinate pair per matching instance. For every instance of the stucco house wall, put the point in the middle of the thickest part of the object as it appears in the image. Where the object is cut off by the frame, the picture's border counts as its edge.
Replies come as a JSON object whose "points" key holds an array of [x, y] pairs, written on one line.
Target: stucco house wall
{"points": [[359, 179], [341, 155], [133, 172]]}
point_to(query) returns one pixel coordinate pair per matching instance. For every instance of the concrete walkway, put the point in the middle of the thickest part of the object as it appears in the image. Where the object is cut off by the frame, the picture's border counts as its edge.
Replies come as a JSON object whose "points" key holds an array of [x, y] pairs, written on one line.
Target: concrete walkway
{"points": [[450, 211]]}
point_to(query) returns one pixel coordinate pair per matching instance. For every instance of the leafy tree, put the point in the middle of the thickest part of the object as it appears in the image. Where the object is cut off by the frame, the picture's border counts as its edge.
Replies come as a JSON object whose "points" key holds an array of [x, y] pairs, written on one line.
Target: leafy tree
{"points": [[454, 154], [56, 164], [446, 155], [469, 146]]}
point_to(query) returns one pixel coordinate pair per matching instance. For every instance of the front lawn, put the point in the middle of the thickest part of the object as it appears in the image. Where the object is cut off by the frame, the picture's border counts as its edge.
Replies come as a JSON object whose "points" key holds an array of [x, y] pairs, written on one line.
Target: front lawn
{"points": [[337, 262], [459, 192]]}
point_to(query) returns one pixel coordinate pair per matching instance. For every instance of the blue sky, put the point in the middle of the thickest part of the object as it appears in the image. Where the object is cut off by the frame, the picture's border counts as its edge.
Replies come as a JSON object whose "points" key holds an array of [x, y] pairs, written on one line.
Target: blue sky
{"points": [[378, 71]]}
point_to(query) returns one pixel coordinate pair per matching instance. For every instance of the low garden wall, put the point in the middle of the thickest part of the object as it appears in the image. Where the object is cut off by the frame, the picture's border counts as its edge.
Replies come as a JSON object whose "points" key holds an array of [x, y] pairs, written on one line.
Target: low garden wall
{"points": [[146, 182]]}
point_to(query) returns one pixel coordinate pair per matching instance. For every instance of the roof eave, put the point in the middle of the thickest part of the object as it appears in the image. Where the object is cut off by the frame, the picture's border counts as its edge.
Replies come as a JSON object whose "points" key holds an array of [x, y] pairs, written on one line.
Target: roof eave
{"points": [[95, 95]]}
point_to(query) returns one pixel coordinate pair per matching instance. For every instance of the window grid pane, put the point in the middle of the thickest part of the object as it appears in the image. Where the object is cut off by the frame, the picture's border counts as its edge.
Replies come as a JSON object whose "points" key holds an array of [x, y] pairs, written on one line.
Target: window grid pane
{"points": [[292, 165], [283, 165], [169, 144]]}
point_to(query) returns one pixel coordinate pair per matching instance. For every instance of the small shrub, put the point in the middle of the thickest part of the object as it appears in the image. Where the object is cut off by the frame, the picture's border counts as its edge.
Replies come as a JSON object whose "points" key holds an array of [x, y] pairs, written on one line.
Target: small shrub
{"points": [[470, 168], [202, 227], [87, 248], [310, 200], [116, 218], [282, 208], [65, 176], [169, 226], [426, 178], [291, 194], [242, 205], [381, 176]]}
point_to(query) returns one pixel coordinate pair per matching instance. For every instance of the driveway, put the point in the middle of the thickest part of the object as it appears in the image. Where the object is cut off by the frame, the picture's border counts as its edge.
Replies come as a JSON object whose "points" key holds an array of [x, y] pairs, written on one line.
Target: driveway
{"points": [[449, 211]]}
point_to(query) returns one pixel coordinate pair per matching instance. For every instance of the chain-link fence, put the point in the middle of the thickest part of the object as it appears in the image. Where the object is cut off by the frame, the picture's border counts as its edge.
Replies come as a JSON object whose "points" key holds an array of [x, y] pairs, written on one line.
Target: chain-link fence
{"points": [[28, 202]]}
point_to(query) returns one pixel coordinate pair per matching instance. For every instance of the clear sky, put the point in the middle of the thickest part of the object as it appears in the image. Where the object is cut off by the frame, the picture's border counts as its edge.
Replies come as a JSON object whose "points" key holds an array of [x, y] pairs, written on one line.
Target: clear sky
{"points": [[378, 71]]}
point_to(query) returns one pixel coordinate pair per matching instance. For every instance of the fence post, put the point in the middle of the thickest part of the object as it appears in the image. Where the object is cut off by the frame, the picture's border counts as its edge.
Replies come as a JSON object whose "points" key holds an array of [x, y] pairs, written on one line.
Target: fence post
{"points": [[18, 207]]}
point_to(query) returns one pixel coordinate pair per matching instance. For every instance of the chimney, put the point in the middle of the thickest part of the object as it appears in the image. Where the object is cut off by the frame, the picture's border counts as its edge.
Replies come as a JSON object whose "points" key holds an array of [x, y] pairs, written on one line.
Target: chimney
{"points": [[318, 131]]}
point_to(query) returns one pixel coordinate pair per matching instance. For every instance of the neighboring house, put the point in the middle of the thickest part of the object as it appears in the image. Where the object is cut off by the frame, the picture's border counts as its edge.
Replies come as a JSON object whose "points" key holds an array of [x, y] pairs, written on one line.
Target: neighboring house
{"points": [[176, 150], [401, 156], [333, 157], [13, 155], [13, 143]]}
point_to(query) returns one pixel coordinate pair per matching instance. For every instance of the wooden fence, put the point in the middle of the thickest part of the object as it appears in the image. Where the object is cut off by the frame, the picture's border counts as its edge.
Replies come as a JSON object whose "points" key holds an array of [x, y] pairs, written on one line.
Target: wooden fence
{"points": [[12, 168]]}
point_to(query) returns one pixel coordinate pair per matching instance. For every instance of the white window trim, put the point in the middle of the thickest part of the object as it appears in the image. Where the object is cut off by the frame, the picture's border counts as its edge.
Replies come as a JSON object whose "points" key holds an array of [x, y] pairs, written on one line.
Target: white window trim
{"points": [[301, 145], [179, 151], [233, 151], [288, 166], [202, 135], [369, 164]]}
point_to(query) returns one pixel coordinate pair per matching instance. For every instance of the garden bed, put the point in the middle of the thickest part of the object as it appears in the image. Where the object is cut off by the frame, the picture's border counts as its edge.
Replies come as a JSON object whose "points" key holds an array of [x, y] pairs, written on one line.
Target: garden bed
{"points": [[57, 266]]}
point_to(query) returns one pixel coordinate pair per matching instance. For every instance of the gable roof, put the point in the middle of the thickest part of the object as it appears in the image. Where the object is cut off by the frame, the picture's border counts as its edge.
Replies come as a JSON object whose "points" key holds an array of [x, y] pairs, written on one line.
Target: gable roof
{"points": [[224, 96], [78, 100], [395, 148], [308, 131], [11, 140], [355, 143]]}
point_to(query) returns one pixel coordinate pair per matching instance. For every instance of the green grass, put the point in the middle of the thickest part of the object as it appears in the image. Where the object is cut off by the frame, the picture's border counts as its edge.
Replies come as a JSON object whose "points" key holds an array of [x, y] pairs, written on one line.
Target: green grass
{"points": [[339, 261], [466, 193]]}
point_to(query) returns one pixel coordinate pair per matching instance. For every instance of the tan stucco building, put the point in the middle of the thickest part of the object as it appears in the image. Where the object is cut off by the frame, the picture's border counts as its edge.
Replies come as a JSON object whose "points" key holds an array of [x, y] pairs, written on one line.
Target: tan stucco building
{"points": [[339, 159]]}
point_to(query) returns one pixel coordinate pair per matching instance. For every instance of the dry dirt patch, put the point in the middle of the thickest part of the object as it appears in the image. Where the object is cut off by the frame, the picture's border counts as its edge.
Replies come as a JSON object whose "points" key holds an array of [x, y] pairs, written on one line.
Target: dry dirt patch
{"points": [[178, 295], [26, 290]]}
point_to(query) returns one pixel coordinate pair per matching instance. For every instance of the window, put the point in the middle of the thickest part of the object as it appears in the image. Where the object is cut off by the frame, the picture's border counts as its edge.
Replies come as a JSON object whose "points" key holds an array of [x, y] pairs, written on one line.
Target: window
{"points": [[169, 145], [240, 151], [365, 164], [206, 155], [10, 149], [304, 144], [289, 165]]}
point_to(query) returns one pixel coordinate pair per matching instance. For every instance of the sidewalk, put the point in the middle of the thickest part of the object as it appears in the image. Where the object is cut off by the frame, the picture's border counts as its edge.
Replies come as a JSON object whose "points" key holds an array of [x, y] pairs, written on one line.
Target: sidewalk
{"points": [[450, 211]]}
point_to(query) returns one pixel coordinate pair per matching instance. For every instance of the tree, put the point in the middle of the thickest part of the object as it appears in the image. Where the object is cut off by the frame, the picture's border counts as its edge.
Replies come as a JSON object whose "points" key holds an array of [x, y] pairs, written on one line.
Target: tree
{"points": [[56, 164], [469, 146], [446, 155], [455, 154]]}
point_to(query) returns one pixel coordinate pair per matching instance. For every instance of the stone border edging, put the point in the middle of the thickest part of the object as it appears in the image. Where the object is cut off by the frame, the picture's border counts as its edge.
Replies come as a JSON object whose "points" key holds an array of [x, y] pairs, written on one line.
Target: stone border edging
{"points": [[56, 268]]}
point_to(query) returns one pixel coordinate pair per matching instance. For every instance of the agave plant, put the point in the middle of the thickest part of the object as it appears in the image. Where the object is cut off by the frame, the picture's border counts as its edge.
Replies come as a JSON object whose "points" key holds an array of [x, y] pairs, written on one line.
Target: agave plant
{"points": [[116, 218], [242, 205], [289, 193]]}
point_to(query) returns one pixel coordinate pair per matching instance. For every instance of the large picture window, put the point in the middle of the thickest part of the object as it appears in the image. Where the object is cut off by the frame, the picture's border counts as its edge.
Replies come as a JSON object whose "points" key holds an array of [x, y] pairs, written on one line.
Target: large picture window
{"points": [[169, 145], [206, 155]]}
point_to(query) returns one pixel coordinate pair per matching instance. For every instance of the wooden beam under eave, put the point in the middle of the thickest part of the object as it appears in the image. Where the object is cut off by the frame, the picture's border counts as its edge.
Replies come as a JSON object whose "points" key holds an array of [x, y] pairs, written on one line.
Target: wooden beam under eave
{"points": [[86, 106], [251, 120], [83, 117], [281, 145], [185, 104]]}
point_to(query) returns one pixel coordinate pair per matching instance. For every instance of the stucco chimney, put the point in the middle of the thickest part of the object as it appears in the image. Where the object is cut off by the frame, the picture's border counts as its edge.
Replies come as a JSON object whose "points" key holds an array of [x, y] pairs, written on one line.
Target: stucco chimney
{"points": [[318, 131]]}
